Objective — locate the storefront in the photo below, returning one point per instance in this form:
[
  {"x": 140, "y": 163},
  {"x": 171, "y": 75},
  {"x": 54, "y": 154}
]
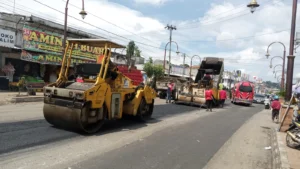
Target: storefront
[
  {"x": 7, "y": 51},
  {"x": 44, "y": 49}
]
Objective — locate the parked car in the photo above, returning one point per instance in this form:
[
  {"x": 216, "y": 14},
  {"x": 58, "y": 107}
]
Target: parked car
[{"x": 259, "y": 98}]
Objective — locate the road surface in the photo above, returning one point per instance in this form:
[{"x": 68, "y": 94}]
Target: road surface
[{"x": 177, "y": 137}]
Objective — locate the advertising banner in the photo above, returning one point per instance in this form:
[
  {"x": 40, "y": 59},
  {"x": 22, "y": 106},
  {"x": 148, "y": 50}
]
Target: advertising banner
[
  {"x": 50, "y": 43},
  {"x": 49, "y": 58},
  {"x": 7, "y": 38}
]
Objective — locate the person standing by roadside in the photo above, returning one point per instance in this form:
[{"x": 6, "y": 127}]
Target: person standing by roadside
[
  {"x": 169, "y": 92},
  {"x": 222, "y": 97},
  {"x": 208, "y": 98},
  {"x": 276, "y": 105}
]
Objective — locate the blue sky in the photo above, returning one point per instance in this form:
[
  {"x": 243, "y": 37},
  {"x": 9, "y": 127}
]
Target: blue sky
[
  {"x": 220, "y": 28},
  {"x": 173, "y": 10}
]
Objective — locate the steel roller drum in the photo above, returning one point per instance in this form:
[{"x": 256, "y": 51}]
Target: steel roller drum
[{"x": 69, "y": 118}]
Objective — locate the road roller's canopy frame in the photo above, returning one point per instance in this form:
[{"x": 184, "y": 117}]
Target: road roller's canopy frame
[{"x": 101, "y": 43}]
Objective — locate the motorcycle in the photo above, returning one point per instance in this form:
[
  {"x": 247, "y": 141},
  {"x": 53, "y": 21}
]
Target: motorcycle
[
  {"x": 293, "y": 133},
  {"x": 267, "y": 103}
]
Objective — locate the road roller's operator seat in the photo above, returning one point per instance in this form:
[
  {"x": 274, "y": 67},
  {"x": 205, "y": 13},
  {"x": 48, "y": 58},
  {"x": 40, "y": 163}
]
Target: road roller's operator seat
[{"x": 92, "y": 69}]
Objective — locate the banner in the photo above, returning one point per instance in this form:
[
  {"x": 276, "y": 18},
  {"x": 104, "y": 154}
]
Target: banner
[
  {"x": 51, "y": 43},
  {"x": 7, "y": 38},
  {"x": 49, "y": 58}
]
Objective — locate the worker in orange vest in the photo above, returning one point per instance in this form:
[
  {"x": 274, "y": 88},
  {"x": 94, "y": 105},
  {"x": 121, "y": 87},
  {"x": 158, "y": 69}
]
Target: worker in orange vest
[
  {"x": 208, "y": 98},
  {"x": 222, "y": 97}
]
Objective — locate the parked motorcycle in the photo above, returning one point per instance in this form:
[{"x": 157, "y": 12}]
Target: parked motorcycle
[{"x": 293, "y": 133}]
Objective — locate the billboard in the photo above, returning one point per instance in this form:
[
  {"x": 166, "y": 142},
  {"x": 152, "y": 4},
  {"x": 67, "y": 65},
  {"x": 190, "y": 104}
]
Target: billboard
[
  {"x": 49, "y": 58},
  {"x": 7, "y": 38},
  {"x": 50, "y": 43}
]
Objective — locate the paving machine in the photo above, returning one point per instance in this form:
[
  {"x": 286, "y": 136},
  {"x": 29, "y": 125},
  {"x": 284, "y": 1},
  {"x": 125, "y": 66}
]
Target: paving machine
[
  {"x": 104, "y": 93},
  {"x": 162, "y": 85},
  {"x": 193, "y": 93}
]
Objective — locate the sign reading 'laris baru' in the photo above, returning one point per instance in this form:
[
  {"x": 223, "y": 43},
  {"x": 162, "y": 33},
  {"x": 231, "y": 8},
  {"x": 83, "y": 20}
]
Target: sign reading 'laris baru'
[{"x": 51, "y": 43}]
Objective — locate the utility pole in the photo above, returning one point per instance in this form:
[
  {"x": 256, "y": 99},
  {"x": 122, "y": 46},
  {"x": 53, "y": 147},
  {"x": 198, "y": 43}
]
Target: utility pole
[
  {"x": 170, "y": 28},
  {"x": 183, "y": 72},
  {"x": 291, "y": 57}
]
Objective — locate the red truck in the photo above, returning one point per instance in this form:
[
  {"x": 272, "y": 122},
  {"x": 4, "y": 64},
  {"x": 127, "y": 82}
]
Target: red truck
[{"x": 242, "y": 93}]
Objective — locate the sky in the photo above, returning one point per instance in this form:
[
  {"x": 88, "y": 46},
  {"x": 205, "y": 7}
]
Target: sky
[{"x": 218, "y": 28}]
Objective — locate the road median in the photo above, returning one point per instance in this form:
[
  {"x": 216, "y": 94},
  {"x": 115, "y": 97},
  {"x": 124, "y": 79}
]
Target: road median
[{"x": 12, "y": 97}]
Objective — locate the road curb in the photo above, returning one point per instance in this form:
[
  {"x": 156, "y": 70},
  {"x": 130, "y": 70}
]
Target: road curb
[
  {"x": 25, "y": 99},
  {"x": 279, "y": 154}
]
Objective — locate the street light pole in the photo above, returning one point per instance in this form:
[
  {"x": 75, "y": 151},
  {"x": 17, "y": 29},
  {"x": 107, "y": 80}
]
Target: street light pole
[
  {"x": 274, "y": 58},
  {"x": 253, "y": 5},
  {"x": 171, "y": 28},
  {"x": 166, "y": 53},
  {"x": 82, "y": 13},
  {"x": 283, "y": 61},
  {"x": 192, "y": 64},
  {"x": 183, "y": 70},
  {"x": 275, "y": 67},
  {"x": 291, "y": 57}
]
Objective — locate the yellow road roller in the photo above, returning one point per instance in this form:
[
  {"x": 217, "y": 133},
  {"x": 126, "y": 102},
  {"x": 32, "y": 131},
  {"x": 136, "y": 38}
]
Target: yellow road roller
[{"x": 103, "y": 94}]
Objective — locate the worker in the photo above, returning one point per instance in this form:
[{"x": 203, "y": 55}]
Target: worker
[
  {"x": 276, "y": 105},
  {"x": 207, "y": 79},
  {"x": 220, "y": 86},
  {"x": 208, "y": 98},
  {"x": 222, "y": 97},
  {"x": 169, "y": 92}
]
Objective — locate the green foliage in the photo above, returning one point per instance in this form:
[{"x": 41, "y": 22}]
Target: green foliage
[
  {"x": 132, "y": 51},
  {"x": 185, "y": 65},
  {"x": 270, "y": 84},
  {"x": 137, "y": 51},
  {"x": 153, "y": 71},
  {"x": 281, "y": 93},
  {"x": 130, "y": 48},
  {"x": 148, "y": 68},
  {"x": 158, "y": 71}
]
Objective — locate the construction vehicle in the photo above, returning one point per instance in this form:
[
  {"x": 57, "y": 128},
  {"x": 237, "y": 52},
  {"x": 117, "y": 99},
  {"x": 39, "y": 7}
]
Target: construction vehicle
[
  {"x": 162, "y": 85},
  {"x": 193, "y": 92},
  {"x": 104, "y": 93}
]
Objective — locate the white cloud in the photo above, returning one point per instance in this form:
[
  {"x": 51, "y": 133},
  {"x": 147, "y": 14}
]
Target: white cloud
[
  {"x": 221, "y": 22},
  {"x": 151, "y": 2}
]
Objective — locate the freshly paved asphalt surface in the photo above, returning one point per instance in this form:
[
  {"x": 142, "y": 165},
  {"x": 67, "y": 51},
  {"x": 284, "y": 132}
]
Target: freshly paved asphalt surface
[{"x": 188, "y": 145}]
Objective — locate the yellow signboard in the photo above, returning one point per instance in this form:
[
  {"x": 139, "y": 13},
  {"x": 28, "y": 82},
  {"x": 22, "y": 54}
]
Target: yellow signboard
[{"x": 51, "y": 43}]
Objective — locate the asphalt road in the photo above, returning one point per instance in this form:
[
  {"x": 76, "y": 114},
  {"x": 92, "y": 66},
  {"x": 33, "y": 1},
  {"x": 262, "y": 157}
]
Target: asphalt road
[{"x": 177, "y": 137}]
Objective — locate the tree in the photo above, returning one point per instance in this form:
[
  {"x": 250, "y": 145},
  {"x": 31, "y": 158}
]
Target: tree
[
  {"x": 130, "y": 52},
  {"x": 137, "y": 51},
  {"x": 185, "y": 65},
  {"x": 153, "y": 71}
]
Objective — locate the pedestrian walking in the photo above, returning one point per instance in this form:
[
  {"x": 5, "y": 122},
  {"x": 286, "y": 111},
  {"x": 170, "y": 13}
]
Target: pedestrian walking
[
  {"x": 276, "y": 105},
  {"x": 208, "y": 98},
  {"x": 169, "y": 92},
  {"x": 222, "y": 97}
]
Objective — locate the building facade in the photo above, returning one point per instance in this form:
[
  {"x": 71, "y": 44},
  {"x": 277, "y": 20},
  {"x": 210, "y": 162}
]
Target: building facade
[{"x": 32, "y": 47}]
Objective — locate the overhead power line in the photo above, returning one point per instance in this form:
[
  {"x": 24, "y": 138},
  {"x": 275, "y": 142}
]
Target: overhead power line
[
  {"x": 238, "y": 38},
  {"x": 112, "y": 23},
  {"x": 117, "y": 35},
  {"x": 31, "y": 12},
  {"x": 211, "y": 21}
]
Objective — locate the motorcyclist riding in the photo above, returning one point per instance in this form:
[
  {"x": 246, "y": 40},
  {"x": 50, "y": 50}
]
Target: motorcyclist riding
[
  {"x": 267, "y": 102},
  {"x": 276, "y": 105}
]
